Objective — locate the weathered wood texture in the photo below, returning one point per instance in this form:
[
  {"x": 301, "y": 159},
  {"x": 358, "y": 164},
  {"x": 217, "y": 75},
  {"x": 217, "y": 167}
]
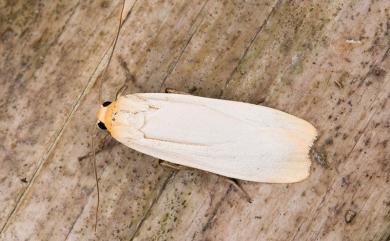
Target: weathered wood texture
[{"x": 324, "y": 61}]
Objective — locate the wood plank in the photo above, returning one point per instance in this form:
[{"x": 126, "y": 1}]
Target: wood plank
[{"x": 326, "y": 62}]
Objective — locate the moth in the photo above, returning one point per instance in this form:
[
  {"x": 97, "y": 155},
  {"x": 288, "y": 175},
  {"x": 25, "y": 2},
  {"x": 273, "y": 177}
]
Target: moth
[{"x": 233, "y": 139}]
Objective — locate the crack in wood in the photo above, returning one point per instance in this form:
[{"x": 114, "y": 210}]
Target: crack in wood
[
  {"x": 170, "y": 177},
  {"x": 215, "y": 211},
  {"x": 75, "y": 221},
  {"x": 172, "y": 67}
]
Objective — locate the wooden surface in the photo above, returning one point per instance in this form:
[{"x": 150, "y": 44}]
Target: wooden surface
[{"x": 324, "y": 61}]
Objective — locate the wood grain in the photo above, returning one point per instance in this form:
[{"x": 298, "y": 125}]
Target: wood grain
[{"x": 326, "y": 62}]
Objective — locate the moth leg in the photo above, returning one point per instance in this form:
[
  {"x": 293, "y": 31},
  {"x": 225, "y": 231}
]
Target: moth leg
[
  {"x": 172, "y": 166},
  {"x": 237, "y": 186},
  {"x": 174, "y": 91},
  {"x": 232, "y": 181},
  {"x": 120, "y": 91}
]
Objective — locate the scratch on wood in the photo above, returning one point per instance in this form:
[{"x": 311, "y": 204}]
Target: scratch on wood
[
  {"x": 75, "y": 221},
  {"x": 215, "y": 211},
  {"x": 251, "y": 43},
  {"x": 173, "y": 66}
]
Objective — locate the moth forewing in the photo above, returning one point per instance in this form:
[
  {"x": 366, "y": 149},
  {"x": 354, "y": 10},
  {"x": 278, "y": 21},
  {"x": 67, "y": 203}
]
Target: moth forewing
[{"x": 232, "y": 139}]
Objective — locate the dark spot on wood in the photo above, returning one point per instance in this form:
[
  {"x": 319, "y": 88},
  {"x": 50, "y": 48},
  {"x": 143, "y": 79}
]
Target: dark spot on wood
[
  {"x": 349, "y": 216},
  {"x": 367, "y": 141},
  {"x": 378, "y": 71},
  {"x": 339, "y": 84},
  {"x": 7, "y": 35},
  {"x": 345, "y": 181},
  {"x": 368, "y": 83},
  {"x": 105, "y": 4},
  {"x": 384, "y": 143},
  {"x": 319, "y": 155},
  {"x": 329, "y": 141}
]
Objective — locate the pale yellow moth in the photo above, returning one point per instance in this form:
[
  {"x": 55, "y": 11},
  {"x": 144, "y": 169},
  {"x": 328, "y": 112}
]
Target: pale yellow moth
[{"x": 229, "y": 138}]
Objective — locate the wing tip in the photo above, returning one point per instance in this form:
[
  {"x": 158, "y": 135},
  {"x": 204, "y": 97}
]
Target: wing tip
[
  {"x": 312, "y": 137},
  {"x": 304, "y": 172}
]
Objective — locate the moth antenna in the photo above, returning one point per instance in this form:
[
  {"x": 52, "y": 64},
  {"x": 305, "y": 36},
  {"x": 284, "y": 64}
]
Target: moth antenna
[
  {"x": 100, "y": 79},
  {"x": 111, "y": 54},
  {"x": 96, "y": 177}
]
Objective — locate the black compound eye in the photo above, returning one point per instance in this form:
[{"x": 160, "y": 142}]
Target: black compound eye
[
  {"x": 102, "y": 125},
  {"x": 106, "y": 103}
]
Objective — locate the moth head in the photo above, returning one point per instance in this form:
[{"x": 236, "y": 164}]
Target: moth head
[{"x": 104, "y": 116}]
